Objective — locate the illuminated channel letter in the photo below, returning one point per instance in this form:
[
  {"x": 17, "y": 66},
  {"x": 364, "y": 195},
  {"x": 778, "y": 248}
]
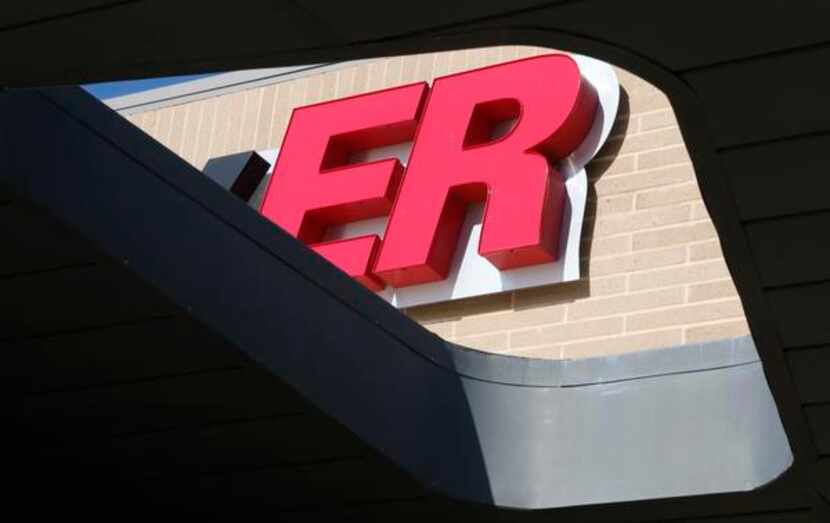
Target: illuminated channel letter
[
  {"x": 454, "y": 163},
  {"x": 314, "y": 185}
]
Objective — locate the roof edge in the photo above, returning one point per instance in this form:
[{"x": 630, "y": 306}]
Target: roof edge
[{"x": 214, "y": 85}]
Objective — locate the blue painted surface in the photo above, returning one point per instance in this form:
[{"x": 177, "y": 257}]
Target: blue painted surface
[{"x": 106, "y": 90}]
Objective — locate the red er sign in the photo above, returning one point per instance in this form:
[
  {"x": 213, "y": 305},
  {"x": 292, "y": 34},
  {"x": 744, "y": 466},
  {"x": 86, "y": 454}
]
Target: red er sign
[{"x": 454, "y": 162}]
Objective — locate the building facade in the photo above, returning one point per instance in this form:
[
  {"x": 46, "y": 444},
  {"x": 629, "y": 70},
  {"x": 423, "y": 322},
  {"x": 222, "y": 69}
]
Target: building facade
[
  {"x": 653, "y": 273},
  {"x": 174, "y": 350}
]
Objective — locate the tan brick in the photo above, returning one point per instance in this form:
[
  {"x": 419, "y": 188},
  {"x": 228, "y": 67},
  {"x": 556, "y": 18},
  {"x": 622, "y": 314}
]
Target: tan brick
[
  {"x": 266, "y": 111},
  {"x": 626, "y": 124},
  {"x": 610, "y": 204},
  {"x": 314, "y": 92},
  {"x": 643, "y": 180},
  {"x": 191, "y": 133},
  {"x": 699, "y": 313},
  {"x": 286, "y": 107},
  {"x": 481, "y": 323},
  {"x": 673, "y": 236},
  {"x": 657, "y": 120},
  {"x": 713, "y": 290},
  {"x": 566, "y": 332},
  {"x": 509, "y": 52},
  {"x": 442, "y": 65},
  {"x": 608, "y": 246},
  {"x": 631, "y": 82},
  {"x": 361, "y": 79},
  {"x": 283, "y": 111},
  {"x": 174, "y": 141},
  {"x": 272, "y": 138},
  {"x": 490, "y": 342},
  {"x": 137, "y": 119},
  {"x": 165, "y": 119},
  {"x": 699, "y": 211},
  {"x": 608, "y": 286},
  {"x": 635, "y": 143},
  {"x": 475, "y": 58},
  {"x": 423, "y": 68},
  {"x": 329, "y": 86},
  {"x": 621, "y": 344},
  {"x": 550, "y": 294},
  {"x": 648, "y": 99},
  {"x": 345, "y": 82},
  {"x": 392, "y": 75},
  {"x": 205, "y": 132},
  {"x": 234, "y": 123},
  {"x": 495, "y": 54},
  {"x": 300, "y": 86},
  {"x": 459, "y": 308},
  {"x": 147, "y": 121},
  {"x": 409, "y": 69},
  {"x": 641, "y": 220},
  {"x": 458, "y": 61},
  {"x": 625, "y": 303},
  {"x": 525, "y": 52},
  {"x": 623, "y": 125},
  {"x": 567, "y": 292},
  {"x": 538, "y": 50},
  {"x": 663, "y": 157},
  {"x": 548, "y": 352},
  {"x": 253, "y": 101},
  {"x": 611, "y": 165},
  {"x": 667, "y": 196},
  {"x": 220, "y": 127},
  {"x": 375, "y": 74},
  {"x": 696, "y": 272},
  {"x": 445, "y": 329},
  {"x": 492, "y": 55},
  {"x": 705, "y": 251},
  {"x": 148, "y": 124},
  {"x": 637, "y": 261},
  {"x": 717, "y": 331}
]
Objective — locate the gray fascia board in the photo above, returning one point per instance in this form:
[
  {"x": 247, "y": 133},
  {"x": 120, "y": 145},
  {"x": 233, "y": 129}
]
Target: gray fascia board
[{"x": 536, "y": 372}]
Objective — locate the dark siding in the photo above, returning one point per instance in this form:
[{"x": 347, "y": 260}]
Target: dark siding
[
  {"x": 790, "y": 251},
  {"x": 818, "y": 416},
  {"x": 778, "y": 178},
  {"x": 55, "y": 247},
  {"x": 7, "y": 193},
  {"x": 765, "y": 99},
  {"x": 117, "y": 354},
  {"x": 160, "y": 404},
  {"x": 73, "y": 299},
  {"x": 811, "y": 370},
  {"x": 671, "y": 33}
]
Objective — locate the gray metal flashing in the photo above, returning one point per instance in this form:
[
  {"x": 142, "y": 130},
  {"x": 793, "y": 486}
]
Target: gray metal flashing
[
  {"x": 685, "y": 434},
  {"x": 537, "y": 372},
  {"x": 677, "y": 421},
  {"x": 215, "y": 85}
]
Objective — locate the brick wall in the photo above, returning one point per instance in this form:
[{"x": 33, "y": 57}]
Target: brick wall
[{"x": 654, "y": 274}]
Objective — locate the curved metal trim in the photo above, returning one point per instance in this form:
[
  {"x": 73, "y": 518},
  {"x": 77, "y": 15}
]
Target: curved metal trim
[
  {"x": 538, "y": 372},
  {"x": 680, "y": 421}
]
